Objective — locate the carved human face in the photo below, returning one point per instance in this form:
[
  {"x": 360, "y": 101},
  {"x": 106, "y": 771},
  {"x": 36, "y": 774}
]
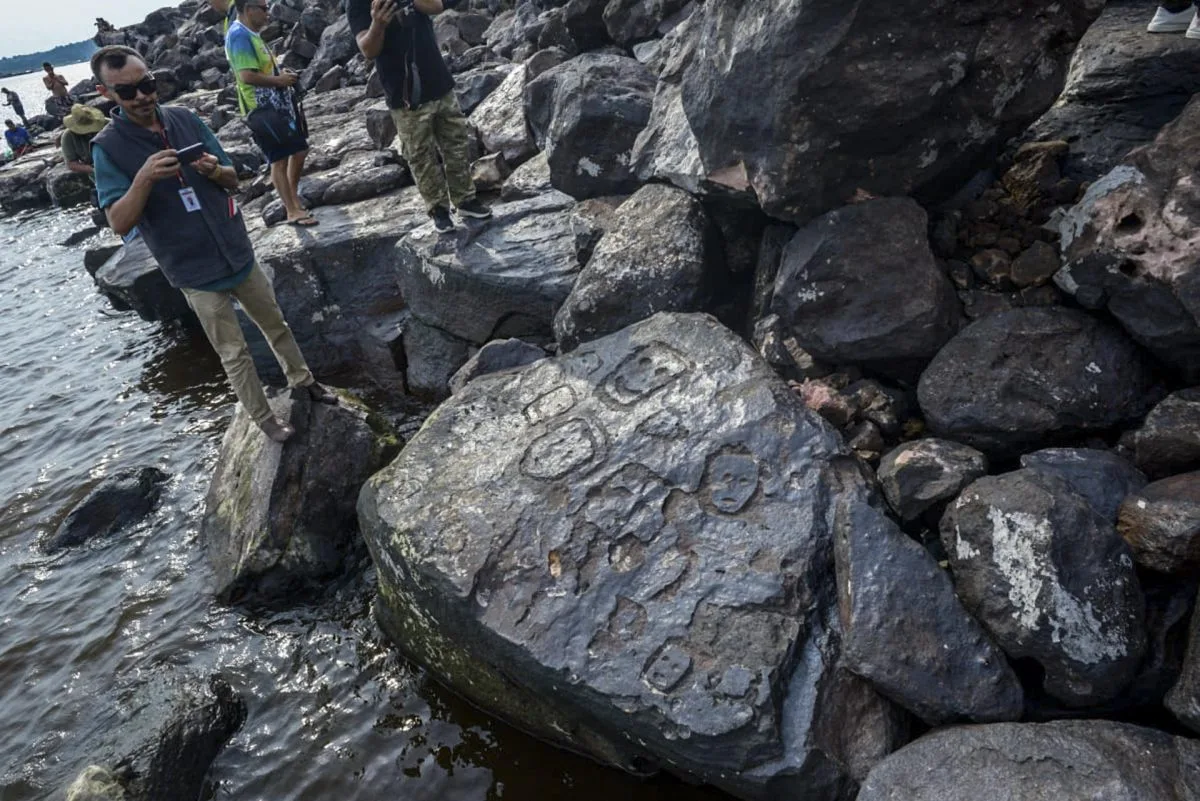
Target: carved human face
[{"x": 732, "y": 481}]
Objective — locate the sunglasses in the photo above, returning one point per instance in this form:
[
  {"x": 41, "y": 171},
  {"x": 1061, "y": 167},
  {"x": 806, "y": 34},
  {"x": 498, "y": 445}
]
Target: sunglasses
[{"x": 128, "y": 91}]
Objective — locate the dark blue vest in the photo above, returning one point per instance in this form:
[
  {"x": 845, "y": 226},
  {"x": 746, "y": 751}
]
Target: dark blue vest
[{"x": 191, "y": 248}]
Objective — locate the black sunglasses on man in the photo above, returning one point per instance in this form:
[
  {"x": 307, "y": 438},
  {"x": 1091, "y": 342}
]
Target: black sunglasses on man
[{"x": 128, "y": 91}]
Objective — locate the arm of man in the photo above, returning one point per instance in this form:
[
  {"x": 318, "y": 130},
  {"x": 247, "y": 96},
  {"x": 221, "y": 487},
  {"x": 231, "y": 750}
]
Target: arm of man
[
  {"x": 429, "y": 7},
  {"x": 256, "y": 78},
  {"x": 124, "y": 199},
  {"x": 80, "y": 167},
  {"x": 369, "y": 20},
  {"x": 220, "y": 5}
]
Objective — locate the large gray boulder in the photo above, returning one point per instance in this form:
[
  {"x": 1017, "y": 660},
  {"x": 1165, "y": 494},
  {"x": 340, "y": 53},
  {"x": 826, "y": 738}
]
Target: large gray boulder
[
  {"x": 861, "y": 286},
  {"x": 660, "y": 253},
  {"x": 1127, "y": 250},
  {"x": 1168, "y": 441},
  {"x": 1122, "y": 87},
  {"x": 1051, "y": 580},
  {"x": 629, "y": 21},
  {"x": 907, "y": 632},
  {"x": 807, "y": 103},
  {"x": 500, "y": 119},
  {"x": 627, "y": 551},
  {"x": 1077, "y": 760},
  {"x": 1015, "y": 378},
  {"x": 586, "y": 115},
  {"x": 505, "y": 277},
  {"x": 279, "y": 520}
]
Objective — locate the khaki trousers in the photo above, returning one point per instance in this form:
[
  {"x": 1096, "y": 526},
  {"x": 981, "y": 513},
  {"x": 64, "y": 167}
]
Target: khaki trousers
[
  {"x": 217, "y": 317},
  {"x": 431, "y": 128}
]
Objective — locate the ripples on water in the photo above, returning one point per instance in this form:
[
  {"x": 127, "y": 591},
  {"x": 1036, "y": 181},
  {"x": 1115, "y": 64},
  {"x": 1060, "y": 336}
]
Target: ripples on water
[{"x": 333, "y": 712}]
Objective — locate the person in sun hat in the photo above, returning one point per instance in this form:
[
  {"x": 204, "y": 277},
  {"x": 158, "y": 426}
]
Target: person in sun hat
[{"x": 82, "y": 125}]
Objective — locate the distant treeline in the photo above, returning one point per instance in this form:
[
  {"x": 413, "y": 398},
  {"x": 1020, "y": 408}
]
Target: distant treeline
[{"x": 63, "y": 54}]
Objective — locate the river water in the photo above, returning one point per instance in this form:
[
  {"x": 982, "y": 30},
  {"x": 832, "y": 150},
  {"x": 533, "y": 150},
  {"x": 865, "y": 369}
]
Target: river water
[{"x": 333, "y": 712}]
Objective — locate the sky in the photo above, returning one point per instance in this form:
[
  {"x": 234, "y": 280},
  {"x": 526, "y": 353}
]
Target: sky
[{"x": 29, "y": 31}]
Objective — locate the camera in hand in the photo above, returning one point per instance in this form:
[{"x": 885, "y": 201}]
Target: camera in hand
[{"x": 404, "y": 11}]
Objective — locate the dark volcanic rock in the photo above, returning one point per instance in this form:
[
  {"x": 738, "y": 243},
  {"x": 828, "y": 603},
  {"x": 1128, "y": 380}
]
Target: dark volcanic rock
[
  {"x": 1078, "y": 760},
  {"x": 629, "y": 21},
  {"x": 638, "y": 562},
  {"x": 586, "y": 114},
  {"x": 907, "y": 633},
  {"x": 659, "y": 254},
  {"x": 497, "y": 355},
  {"x": 500, "y": 119},
  {"x": 1161, "y": 523},
  {"x": 1127, "y": 250},
  {"x": 504, "y": 277},
  {"x": 1169, "y": 440},
  {"x": 861, "y": 286},
  {"x": 119, "y": 501},
  {"x": 67, "y": 188},
  {"x": 837, "y": 114},
  {"x": 280, "y": 519},
  {"x": 1184, "y": 698},
  {"x": 1121, "y": 89},
  {"x": 919, "y": 475},
  {"x": 1103, "y": 478},
  {"x": 1014, "y": 378},
  {"x": 132, "y": 278},
  {"x": 1051, "y": 580}
]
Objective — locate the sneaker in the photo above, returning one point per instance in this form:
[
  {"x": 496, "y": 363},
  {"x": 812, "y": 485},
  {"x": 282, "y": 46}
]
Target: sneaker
[
  {"x": 276, "y": 430},
  {"x": 441, "y": 219},
  {"x": 1193, "y": 31},
  {"x": 321, "y": 394},
  {"x": 1172, "y": 22},
  {"x": 473, "y": 208}
]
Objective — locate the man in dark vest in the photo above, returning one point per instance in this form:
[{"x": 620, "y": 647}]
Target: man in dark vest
[{"x": 147, "y": 178}]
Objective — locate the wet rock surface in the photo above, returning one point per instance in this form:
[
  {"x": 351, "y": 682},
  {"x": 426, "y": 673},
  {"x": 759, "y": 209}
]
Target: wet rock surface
[
  {"x": 586, "y": 114},
  {"x": 497, "y": 355},
  {"x": 500, "y": 278},
  {"x": 919, "y": 475},
  {"x": 279, "y": 520},
  {"x": 660, "y": 253},
  {"x": 1122, "y": 87},
  {"x": 669, "y": 598},
  {"x": 1102, "y": 478},
  {"x": 1016, "y": 378},
  {"x": 1168, "y": 441},
  {"x": 1125, "y": 251},
  {"x": 1161, "y": 523},
  {"x": 907, "y": 632},
  {"x": 1059, "y": 761},
  {"x": 119, "y": 501},
  {"x": 975, "y": 74},
  {"x": 1051, "y": 581},
  {"x": 860, "y": 286}
]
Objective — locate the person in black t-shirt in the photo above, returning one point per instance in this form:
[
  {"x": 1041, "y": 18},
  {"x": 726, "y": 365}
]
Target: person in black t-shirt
[{"x": 398, "y": 34}]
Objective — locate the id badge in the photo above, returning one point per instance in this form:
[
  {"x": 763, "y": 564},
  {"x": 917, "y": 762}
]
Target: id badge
[{"x": 190, "y": 201}]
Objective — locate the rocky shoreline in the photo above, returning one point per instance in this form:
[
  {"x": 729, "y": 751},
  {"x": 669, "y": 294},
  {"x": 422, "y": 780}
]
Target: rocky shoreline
[{"x": 824, "y": 436}]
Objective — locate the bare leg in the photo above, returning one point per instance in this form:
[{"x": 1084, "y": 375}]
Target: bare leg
[
  {"x": 295, "y": 166},
  {"x": 279, "y": 177}
]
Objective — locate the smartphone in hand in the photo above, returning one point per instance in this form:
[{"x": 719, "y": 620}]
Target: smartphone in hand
[{"x": 187, "y": 155}]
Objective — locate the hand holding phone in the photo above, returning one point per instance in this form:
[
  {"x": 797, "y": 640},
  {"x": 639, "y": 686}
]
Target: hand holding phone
[{"x": 187, "y": 155}]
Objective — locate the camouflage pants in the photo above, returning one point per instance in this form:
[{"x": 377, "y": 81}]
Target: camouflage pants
[{"x": 433, "y": 127}]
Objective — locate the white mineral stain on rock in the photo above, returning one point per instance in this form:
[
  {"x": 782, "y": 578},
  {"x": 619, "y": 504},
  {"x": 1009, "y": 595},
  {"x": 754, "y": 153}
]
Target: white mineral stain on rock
[
  {"x": 590, "y": 167},
  {"x": 1019, "y": 543}
]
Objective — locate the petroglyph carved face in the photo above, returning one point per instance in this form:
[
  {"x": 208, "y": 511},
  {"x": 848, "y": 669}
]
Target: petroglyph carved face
[
  {"x": 732, "y": 481},
  {"x": 641, "y": 373}
]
